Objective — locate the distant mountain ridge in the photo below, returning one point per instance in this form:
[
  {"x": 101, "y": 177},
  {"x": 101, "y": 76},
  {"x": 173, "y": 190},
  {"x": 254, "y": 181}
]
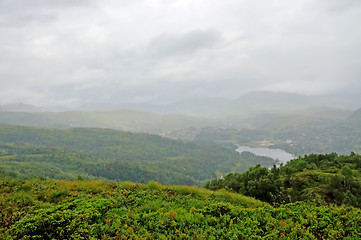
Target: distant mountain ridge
[
  {"x": 248, "y": 104},
  {"x": 19, "y": 107},
  {"x": 126, "y": 120},
  {"x": 266, "y": 100},
  {"x": 313, "y": 118},
  {"x": 199, "y": 107},
  {"x": 356, "y": 114},
  {"x": 22, "y": 107},
  {"x": 354, "y": 121}
]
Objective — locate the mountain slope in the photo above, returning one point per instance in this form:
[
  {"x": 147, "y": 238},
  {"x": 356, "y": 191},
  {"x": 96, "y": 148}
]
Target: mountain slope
[
  {"x": 301, "y": 119},
  {"x": 284, "y": 100},
  {"x": 354, "y": 121}
]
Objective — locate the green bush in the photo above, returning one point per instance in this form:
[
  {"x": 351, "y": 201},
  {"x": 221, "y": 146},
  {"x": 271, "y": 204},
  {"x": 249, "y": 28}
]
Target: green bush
[{"x": 135, "y": 211}]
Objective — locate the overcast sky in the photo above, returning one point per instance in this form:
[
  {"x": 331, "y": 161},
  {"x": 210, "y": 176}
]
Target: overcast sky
[{"x": 74, "y": 51}]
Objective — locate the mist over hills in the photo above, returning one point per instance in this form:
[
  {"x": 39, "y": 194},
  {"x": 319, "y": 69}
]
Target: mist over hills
[
  {"x": 127, "y": 120},
  {"x": 354, "y": 120},
  {"x": 297, "y": 123},
  {"x": 261, "y": 98},
  {"x": 248, "y": 104},
  {"x": 255, "y": 102},
  {"x": 22, "y": 107},
  {"x": 310, "y": 118},
  {"x": 261, "y": 110}
]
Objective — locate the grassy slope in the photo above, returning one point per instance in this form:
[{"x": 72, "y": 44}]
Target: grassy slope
[{"x": 98, "y": 210}]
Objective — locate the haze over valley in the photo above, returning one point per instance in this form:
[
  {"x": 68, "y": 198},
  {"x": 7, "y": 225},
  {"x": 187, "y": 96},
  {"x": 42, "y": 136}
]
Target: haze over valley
[
  {"x": 155, "y": 119},
  {"x": 297, "y": 123}
]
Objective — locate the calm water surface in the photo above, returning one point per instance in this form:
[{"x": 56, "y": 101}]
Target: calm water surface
[{"x": 277, "y": 154}]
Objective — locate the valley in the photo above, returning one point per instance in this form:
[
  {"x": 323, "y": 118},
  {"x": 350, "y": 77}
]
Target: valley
[
  {"x": 268, "y": 171},
  {"x": 114, "y": 155},
  {"x": 295, "y": 123},
  {"x": 180, "y": 120}
]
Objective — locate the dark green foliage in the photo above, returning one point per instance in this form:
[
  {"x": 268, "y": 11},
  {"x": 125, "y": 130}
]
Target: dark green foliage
[
  {"x": 257, "y": 182},
  {"x": 35, "y": 209},
  {"x": 326, "y": 178},
  {"x": 247, "y": 160}
]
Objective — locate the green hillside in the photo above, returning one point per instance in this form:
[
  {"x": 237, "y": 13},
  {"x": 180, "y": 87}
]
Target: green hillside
[
  {"x": 299, "y": 132},
  {"x": 36, "y": 209},
  {"x": 110, "y": 154},
  {"x": 325, "y": 178},
  {"x": 313, "y": 197},
  {"x": 343, "y": 137},
  {"x": 306, "y": 120}
]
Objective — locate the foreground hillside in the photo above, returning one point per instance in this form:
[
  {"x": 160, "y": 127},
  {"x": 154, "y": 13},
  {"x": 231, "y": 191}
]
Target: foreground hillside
[
  {"x": 114, "y": 155},
  {"x": 53, "y": 209}
]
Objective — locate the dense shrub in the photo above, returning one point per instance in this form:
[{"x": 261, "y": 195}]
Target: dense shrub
[{"x": 99, "y": 210}]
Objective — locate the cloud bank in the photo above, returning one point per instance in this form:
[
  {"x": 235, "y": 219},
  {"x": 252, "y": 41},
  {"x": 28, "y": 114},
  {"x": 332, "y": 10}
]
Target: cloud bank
[{"x": 72, "y": 52}]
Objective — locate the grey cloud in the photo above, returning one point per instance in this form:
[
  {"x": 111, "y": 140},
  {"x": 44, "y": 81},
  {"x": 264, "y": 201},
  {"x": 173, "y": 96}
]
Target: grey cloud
[
  {"x": 188, "y": 43},
  {"x": 76, "y": 51},
  {"x": 36, "y": 5},
  {"x": 338, "y": 7},
  {"x": 21, "y": 13}
]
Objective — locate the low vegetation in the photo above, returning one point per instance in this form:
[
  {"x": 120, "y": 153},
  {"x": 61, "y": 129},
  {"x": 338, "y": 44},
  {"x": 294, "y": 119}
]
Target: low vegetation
[{"x": 59, "y": 209}]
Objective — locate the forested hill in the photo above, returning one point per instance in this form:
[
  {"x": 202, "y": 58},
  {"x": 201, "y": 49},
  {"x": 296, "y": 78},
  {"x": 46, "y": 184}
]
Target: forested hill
[
  {"x": 304, "y": 193},
  {"x": 110, "y": 154},
  {"x": 324, "y": 178}
]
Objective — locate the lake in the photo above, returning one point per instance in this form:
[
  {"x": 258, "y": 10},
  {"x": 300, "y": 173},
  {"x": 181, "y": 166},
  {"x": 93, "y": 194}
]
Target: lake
[{"x": 277, "y": 154}]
